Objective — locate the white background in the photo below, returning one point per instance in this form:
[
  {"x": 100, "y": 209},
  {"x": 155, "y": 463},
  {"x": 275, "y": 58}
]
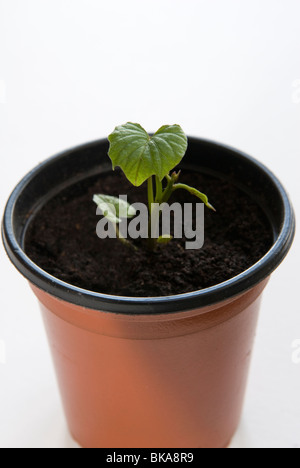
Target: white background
[{"x": 70, "y": 70}]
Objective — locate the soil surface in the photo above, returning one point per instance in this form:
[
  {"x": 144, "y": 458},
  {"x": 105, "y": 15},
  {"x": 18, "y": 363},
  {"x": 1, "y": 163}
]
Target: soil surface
[{"x": 62, "y": 240}]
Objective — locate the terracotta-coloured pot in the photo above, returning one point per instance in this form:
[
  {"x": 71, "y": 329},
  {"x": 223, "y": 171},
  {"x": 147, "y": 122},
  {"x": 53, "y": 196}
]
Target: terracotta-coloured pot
[
  {"x": 175, "y": 380},
  {"x": 151, "y": 372}
]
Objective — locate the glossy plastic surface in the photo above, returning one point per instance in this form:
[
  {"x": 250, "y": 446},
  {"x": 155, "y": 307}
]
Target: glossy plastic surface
[{"x": 170, "y": 380}]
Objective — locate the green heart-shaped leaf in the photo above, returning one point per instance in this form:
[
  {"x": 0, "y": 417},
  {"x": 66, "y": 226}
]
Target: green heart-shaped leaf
[{"x": 141, "y": 156}]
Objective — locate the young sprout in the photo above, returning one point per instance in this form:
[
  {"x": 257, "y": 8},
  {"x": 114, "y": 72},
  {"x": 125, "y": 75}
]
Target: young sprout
[{"x": 147, "y": 158}]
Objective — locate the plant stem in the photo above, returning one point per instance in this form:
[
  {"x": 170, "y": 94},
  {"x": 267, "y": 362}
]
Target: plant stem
[
  {"x": 183, "y": 187},
  {"x": 161, "y": 196},
  {"x": 150, "y": 193},
  {"x": 159, "y": 190},
  {"x": 151, "y": 242},
  {"x": 168, "y": 190},
  {"x": 194, "y": 192}
]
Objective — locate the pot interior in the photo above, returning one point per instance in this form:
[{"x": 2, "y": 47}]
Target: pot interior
[{"x": 76, "y": 164}]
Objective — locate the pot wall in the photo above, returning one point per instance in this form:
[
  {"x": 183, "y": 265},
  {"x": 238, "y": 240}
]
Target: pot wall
[{"x": 175, "y": 380}]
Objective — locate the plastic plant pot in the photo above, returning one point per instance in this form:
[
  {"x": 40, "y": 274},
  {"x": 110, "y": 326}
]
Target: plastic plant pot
[{"x": 151, "y": 372}]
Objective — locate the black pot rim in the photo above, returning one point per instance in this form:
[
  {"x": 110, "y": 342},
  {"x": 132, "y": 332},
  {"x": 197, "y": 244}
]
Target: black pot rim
[{"x": 144, "y": 305}]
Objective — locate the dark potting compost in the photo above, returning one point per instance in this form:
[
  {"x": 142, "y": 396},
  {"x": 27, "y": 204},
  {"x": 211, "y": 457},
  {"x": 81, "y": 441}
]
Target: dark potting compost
[{"x": 62, "y": 240}]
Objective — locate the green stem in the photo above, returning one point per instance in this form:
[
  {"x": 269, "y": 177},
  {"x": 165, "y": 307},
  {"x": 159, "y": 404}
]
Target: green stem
[
  {"x": 162, "y": 196},
  {"x": 150, "y": 193},
  {"x": 151, "y": 242},
  {"x": 183, "y": 187},
  {"x": 159, "y": 189},
  {"x": 168, "y": 191},
  {"x": 195, "y": 193}
]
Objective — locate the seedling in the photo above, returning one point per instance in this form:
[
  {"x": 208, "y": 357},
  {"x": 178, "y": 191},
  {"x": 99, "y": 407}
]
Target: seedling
[{"x": 146, "y": 158}]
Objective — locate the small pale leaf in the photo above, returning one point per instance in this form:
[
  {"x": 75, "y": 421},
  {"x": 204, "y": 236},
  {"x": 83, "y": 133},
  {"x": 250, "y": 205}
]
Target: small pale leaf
[{"x": 114, "y": 208}]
